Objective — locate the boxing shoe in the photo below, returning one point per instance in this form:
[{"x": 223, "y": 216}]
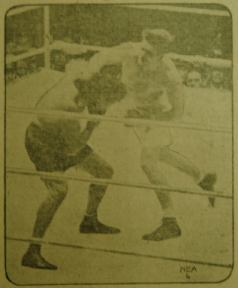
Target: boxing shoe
[
  {"x": 169, "y": 229},
  {"x": 90, "y": 224},
  {"x": 207, "y": 184},
  {"x": 35, "y": 260}
]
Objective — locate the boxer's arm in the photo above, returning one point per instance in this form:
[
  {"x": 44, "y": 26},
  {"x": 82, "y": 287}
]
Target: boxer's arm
[
  {"x": 176, "y": 99},
  {"x": 85, "y": 134},
  {"x": 81, "y": 139},
  {"x": 175, "y": 92},
  {"x": 110, "y": 56},
  {"x": 122, "y": 50},
  {"x": 74, "y": 48},
  {"x": 78, "y": 137},
  {"x": 84, "y": 70},
  {"x": 81, "y": 69}
]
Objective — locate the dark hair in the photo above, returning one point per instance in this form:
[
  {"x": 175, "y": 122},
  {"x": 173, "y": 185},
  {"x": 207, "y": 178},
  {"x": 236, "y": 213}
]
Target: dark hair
[
  {"x": 102, "y": 85},
  {"x": 113, "y": 69}
]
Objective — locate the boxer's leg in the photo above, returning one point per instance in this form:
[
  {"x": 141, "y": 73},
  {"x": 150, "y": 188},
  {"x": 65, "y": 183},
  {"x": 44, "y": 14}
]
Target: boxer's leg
[
  {"x": 149, "y": 164},
  {"x": 99, "y": 168},
  {"x": 183, "y": 164},
  {"x": 164, "y": 153},
  {"x": 57, "y": 191},
  {"x": 180, "y": 162},
  {"x": 169, "y": 227}
]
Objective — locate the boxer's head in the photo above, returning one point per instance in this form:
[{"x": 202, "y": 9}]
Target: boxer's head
[
  {"x": 158, "y": 39},
  {"x": 103, "y": 89}
]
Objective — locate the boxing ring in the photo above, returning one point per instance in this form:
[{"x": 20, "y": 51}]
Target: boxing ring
[{"x": 96, "y": 245}]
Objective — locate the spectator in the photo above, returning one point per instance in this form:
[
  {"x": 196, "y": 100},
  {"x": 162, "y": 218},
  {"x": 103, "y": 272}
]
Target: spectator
[
  {"x": 194, "y": 79},
  {"x": 217, "y": 79},
  {"x": 22, "y": 68},
  {"x": 10, "y": 72},
  {"x": 58, "y": 60}
]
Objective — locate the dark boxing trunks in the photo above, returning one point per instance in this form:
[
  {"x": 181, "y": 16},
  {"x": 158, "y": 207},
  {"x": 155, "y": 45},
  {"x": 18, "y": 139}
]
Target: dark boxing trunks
[{"x": 47, "y": 149}]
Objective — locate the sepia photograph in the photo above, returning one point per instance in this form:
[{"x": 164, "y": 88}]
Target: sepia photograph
[{"x": 119, "y": 143}]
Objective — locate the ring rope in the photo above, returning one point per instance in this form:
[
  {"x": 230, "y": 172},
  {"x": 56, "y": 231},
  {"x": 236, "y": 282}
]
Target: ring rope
[
  {"x": 126, "y": 121},
  {"x": 121, "y": 252},
  {"x": 55, "y": 176}
]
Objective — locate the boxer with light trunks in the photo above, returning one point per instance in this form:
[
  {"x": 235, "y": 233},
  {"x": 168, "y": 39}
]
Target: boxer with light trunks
[
  {"x": 160, "y": 97},
  {"x": 154, "y": 91}
]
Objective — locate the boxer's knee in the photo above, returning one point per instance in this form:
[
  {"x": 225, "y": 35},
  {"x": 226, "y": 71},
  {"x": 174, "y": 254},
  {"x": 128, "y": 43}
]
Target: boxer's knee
[
  {"x": 150, "y": 163},
  {"x": 106, "y": 172},
  {"x": 57, "y": 189},
  {"x": 163, "y": 153},
  {"x": 150, "y": 156},
  {"x": 147, "y": 160}
]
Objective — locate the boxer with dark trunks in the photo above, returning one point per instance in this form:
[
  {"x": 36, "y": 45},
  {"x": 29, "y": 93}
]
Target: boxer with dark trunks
[{"x": 56, "y": 144}]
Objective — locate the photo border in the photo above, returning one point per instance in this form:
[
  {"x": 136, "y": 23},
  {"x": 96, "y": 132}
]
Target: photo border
[{"x": 233, "y": 142}]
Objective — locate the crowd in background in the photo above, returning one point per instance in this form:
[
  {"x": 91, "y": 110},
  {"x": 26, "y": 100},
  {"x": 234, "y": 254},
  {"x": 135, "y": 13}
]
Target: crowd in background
[
  {"x": 203, "y": 75},
  {"x": 25, "y": 32}
]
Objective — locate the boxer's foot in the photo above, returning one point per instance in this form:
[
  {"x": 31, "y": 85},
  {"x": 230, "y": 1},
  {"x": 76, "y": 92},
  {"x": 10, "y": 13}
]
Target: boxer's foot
[
  {"x": 90, "y": 224},
  {"x": 207, "y": 184},
  {"x": 35, "y": 260},
  {"x": 169, "y": 229}
]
